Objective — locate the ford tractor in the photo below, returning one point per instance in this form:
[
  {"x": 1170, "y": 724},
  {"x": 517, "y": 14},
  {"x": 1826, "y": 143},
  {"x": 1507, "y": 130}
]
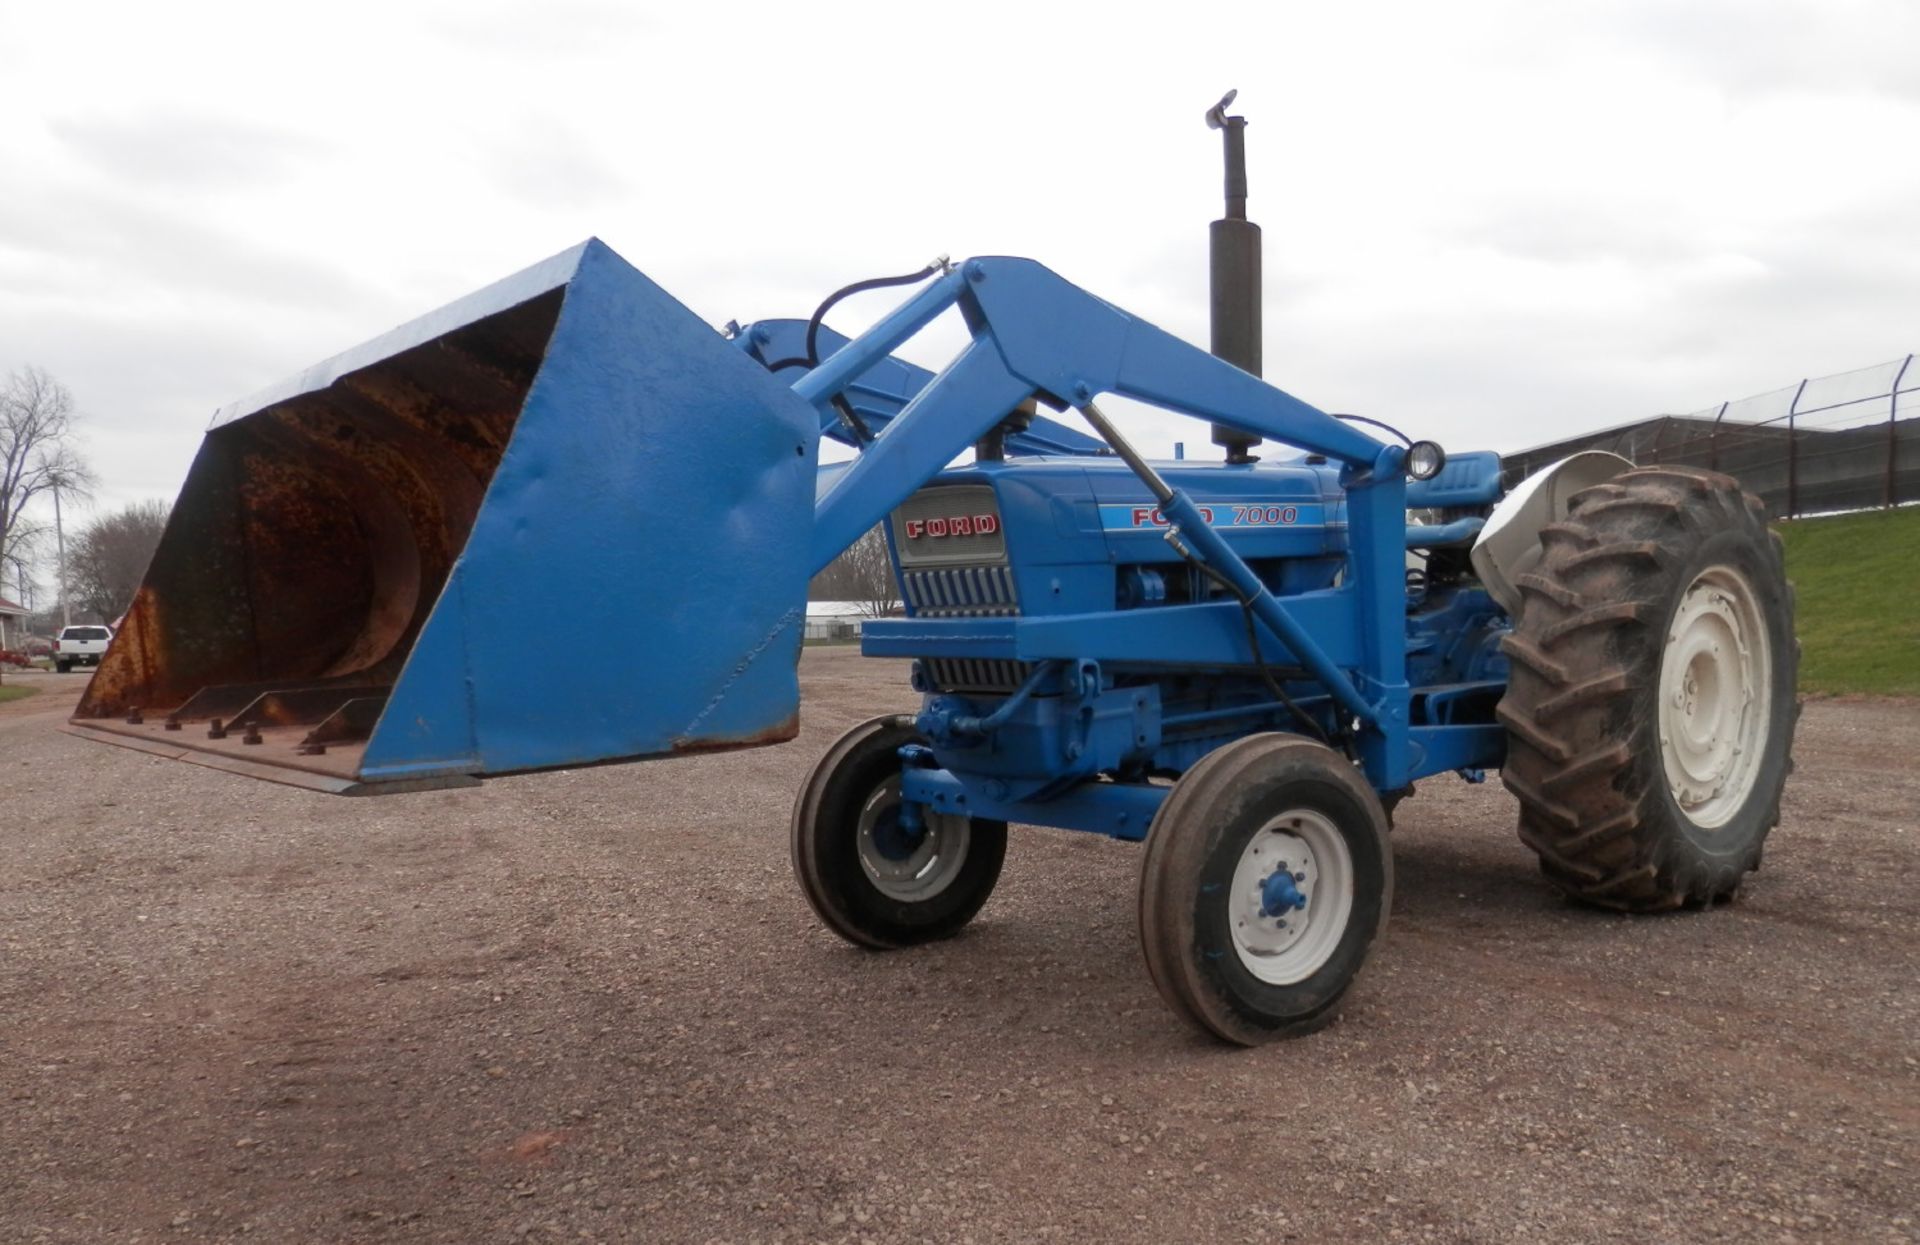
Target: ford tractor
[{"x": 1247, "y": 665}]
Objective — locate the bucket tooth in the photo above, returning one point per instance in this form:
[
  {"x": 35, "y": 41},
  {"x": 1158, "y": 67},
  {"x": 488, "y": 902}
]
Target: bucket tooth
[
  {"x": 352, "y": 722},
  {"x": 358, "y": 555}
]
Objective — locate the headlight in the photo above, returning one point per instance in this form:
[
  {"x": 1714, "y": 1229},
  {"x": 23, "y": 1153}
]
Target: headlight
[{"x": 1424, "y": 460}]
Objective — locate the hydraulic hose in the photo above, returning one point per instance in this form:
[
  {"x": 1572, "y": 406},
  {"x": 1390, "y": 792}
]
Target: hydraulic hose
[
  {"x": 854, "y": 423},
  {"x": 1377, "y": 423}
]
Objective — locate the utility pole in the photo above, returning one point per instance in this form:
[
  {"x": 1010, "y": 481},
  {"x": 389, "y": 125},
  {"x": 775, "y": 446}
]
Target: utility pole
[{"x": 60, "y": 551}]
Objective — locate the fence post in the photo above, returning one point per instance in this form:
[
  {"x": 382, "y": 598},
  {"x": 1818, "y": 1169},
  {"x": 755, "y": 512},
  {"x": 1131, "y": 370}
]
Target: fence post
[
  {"x": 1713, "y": 440},
  {"x": 1793, "y": 455},
  {"x": 1893, "y": 436}
]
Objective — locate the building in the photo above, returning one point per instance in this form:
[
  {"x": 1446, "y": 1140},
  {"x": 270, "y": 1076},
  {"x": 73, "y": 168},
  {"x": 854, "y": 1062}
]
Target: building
[
  {"x": 13, "y": 625},
  {"x": 1842, "y": 442},
  {"x": 834, "y": 621},
  {"x": 1793, "y": 470}
]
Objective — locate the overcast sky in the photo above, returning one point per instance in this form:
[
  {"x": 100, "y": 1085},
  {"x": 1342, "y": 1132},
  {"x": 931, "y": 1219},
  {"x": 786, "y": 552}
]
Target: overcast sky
[{"x": 1489, "y": 223}]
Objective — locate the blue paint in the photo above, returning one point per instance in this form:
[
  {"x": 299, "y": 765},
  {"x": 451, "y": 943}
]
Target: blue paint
[
  {"x": 1458, "y": 532},
  {"x": 642, "y": 426},
  {"x": 898, "y": 830},
  {"x": 1279, "y": 895},
  {"x": 881, "y": 392},
  {"x": 857, "y": 357},
  {"x": 1469, "y": 479},
  {"x": 1118, "y": 810},
  {"x": 1227, "y": 512},
  {"x": 974, "y": 393}
]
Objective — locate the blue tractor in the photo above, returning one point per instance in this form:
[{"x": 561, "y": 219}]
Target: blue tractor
[{"x": 1245, "y": 664}]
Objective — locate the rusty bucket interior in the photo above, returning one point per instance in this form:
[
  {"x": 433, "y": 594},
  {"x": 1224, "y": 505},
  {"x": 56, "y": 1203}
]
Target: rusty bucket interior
[{"x": 326, "y": 535}]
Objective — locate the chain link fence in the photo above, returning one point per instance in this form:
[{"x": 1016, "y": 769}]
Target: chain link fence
[{"x": 1844, "y": 442}]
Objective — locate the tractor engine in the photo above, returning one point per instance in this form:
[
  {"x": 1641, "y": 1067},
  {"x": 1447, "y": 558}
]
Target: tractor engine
[{"x": 1065, "y": 537}]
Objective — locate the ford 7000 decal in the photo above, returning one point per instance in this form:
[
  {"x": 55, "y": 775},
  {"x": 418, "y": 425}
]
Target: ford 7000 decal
[{"x": 1128, "y": 517}]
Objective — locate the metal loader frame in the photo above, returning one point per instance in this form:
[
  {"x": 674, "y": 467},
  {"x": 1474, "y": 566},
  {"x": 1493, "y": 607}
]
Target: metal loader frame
[{"x": 1036, "y": 335}]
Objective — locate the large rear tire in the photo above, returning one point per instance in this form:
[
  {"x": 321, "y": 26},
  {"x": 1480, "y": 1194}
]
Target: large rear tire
[
  {"x": 872, "y": 880},
  {"x": 1651, "y": 706},
  {"x": 1267, "y": 877}
]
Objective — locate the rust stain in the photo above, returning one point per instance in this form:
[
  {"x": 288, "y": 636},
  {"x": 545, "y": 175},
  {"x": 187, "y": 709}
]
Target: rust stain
[
  {"x": 778, "y": 733},
  {"x": 312, "y": 537}
]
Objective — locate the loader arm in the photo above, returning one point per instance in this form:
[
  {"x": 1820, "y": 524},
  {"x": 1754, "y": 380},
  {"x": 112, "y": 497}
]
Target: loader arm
[
  {"x": 879, "y": 395},
  {"x": 1035, "y": 333}
]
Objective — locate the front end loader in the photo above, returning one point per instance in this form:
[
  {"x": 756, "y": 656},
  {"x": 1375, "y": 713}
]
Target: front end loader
[{"x": 1245, "y": 664}]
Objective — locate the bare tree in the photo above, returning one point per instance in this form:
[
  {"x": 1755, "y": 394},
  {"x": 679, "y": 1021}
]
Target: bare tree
[
  {"x": 862, "y": 575},
  {"x": 869, "y": 579},
  {"x": 110, "y": 558},
  {"x": 37, "y": 456}
]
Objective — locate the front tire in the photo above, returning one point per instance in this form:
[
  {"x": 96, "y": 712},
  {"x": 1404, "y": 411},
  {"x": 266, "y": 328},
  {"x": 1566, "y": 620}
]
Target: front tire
[
  {"x": 1651, "y": 706},
  {"x": 870, "y": 880},
  {"x": 1266, "y": 879}
]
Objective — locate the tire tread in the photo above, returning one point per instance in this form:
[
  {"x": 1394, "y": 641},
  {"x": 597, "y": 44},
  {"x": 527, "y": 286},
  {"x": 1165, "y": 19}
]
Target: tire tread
[{"x": 1579, "y": 656}]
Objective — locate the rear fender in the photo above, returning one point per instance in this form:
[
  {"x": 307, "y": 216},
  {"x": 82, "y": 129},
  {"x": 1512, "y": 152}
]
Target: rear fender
[{"x": 1509, "y": 545}]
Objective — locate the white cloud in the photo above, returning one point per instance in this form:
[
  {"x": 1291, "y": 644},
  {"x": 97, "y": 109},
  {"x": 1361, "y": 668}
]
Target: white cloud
[{"x": 1487, "y": 222}]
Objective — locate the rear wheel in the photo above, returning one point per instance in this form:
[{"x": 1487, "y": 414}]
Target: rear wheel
[
  {"x": 874, "y": 879},
  {"x": 1266, "y": 878},
  {"x": 1651, "y": 706},
  {"x": 63, "y": 667}
]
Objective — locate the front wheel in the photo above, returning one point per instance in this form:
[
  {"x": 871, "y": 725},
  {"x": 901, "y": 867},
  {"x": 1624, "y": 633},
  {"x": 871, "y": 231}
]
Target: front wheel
[
  {"x": 874, "y": 879},
  {"x": 1267, "y": 877}
]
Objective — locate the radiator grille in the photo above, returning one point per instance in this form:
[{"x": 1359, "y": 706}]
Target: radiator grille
[
  {"x": 966, "y": 592},
  {"x": 962, "y": 592}
]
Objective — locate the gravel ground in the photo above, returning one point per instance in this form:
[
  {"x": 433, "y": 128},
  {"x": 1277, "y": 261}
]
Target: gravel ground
[{"x": 592, "y": 1006}]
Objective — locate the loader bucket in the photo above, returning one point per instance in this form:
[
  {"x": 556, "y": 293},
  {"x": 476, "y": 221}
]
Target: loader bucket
[{"x": 558, "y": 522}]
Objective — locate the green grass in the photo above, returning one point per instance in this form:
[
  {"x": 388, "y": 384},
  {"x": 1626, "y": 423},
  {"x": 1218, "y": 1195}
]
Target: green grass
[
  {"x": 1858, "y": 578},
  {"x": 8, "y": 692}
]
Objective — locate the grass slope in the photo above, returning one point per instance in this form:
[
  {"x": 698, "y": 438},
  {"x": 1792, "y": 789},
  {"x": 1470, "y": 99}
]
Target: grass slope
[{"x": 1858, "y": 576}]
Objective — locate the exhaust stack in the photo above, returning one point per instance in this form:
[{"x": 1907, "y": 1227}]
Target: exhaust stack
[{"x": 1234, "y": 278}]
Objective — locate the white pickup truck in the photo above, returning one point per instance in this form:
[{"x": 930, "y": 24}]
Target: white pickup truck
[{"x": 80, "y": 646}]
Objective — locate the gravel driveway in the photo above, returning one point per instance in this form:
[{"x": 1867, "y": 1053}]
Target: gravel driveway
[{"x": 592, "y": 1006}]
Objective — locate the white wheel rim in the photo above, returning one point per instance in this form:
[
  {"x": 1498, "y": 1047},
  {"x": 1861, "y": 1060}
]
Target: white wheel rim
[
  {"x": 1716, "y": 697},
  {"x": 929, "y": 867},
  {"x": 1286, "y": 943}
]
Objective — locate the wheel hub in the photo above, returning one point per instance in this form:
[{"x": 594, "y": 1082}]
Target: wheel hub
[
  {"x": 1291, "y": 895},
  {"x": 904, "y": 862},
  {"x": 894, "y": 840},
  {"x": 1715, "y": 697},
  {"x": 1279, "y": 895}
]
